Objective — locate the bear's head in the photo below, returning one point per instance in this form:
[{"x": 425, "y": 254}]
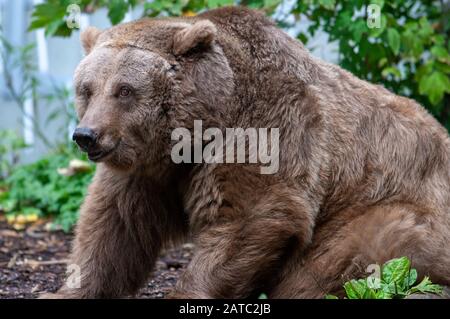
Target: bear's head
[{"x": 140, "y": 80}]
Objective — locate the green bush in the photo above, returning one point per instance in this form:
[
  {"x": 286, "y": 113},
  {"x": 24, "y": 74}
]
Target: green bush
[
  {"x": 408, "y": 53},
  {"x": 53, "y": 186},
  {"x": 397, "y": 280}
]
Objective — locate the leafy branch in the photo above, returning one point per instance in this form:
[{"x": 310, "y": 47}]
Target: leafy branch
[{"x": 397, "y": 282}]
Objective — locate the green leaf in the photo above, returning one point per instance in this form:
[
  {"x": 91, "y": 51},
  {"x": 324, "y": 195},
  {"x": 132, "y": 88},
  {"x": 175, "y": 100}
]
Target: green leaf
[
  {"x": 117, "y": 10},
  {"x": 269, "y": 3},
  {"x": 255, "y": 4},
  {"x": 328, "y": 4},
  {"x": 434, "y": 85},
  {"x": 52, "y": 27},
  {"x": 396, "y": 270},
  {"x": 411, "y": 279},
  {"x": 382, "y": 294},
  {"x": 441, "y": 54},
  {"x": 343, "y": 20},
  {"x": 438, "y": 39},
  {"x": 425, "y": 286},
  {"x": 31, "y": 210},
  {"x": 383, "y": 61},
  {"x": 303, "y": 37},
  {"x": 358, "y": 29},
  {"x": 328, "y": 296},
  {"x": 212, "y": 4},
  {"x": 378, "y": 2},
  {"x": 356, "y": 289},
  {"x": 46, "y": 13},
  {"x": 425, "y": 30},
  {"x": 443, "y": 67},
  {"x": 369, "y": 294},
  {"x": 391, "y": 70},
  {"x": 394, "y": 40}
]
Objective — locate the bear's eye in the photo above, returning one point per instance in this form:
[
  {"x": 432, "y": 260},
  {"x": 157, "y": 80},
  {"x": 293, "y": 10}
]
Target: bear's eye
[
  {"x": 85, "y": 91},
  {"x": 124, "y": 91}
]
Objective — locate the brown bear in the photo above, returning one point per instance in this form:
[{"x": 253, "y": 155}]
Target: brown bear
[{"x": 364, "y": 174}]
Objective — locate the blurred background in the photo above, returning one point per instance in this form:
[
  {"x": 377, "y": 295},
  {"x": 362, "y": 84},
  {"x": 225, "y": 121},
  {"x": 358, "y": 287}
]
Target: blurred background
[{"x": 401, "y": 44}]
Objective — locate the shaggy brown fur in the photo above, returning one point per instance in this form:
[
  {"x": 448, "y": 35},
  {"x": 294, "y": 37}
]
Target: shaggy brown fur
[{"x": 364, "y": 174}]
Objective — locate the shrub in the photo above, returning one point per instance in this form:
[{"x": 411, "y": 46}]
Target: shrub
[
  {"x": 53, "y": 186},
  {"x": 396, "y": 281}
]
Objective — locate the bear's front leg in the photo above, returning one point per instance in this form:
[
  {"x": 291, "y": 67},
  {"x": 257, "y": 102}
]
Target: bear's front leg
[
  {"x": 118, "y": 238},
  {"x": 241, "y": 247}
]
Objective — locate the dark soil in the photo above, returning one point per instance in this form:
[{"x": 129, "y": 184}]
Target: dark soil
[{"x": 33, "y": 262}]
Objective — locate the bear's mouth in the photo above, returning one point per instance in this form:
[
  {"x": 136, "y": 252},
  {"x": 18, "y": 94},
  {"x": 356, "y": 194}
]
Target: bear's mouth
[{"x": 100, "y": 154}]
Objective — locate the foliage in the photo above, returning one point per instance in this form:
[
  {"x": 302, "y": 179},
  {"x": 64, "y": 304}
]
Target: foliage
[
  {"x": 52, "y": 186},
  {"x": 9, "y": 151},
  {"x": 408, "y": 53},
  {"x": 51, "y": 14},
  {"x": 396, "y": 282}
]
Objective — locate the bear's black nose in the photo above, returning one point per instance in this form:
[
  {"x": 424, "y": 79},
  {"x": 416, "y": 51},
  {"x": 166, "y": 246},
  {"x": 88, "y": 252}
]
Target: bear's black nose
[{"x": 85, "y": 138}]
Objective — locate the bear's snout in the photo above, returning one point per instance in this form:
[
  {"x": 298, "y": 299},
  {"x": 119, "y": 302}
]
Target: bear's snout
[
  {"x": 91, "y": 142},
  {"x": 86, "y": 138}
]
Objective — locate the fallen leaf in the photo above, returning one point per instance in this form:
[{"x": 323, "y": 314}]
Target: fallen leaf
[
  {"x": 18, "y": 226},
  {"x": 189, "y": 13},
  {"x": 20, "y": 219},
  {"x": 31, "y": 218}
]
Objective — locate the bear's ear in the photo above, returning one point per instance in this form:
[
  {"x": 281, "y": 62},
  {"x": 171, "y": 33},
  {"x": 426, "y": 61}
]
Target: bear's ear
[
  {"x": 201, "y": 33},
  {"x": 88, "y": 38}
]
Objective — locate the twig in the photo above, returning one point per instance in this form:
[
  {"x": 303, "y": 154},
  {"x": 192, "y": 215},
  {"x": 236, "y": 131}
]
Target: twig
[{"x": 12, "y": 261}]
